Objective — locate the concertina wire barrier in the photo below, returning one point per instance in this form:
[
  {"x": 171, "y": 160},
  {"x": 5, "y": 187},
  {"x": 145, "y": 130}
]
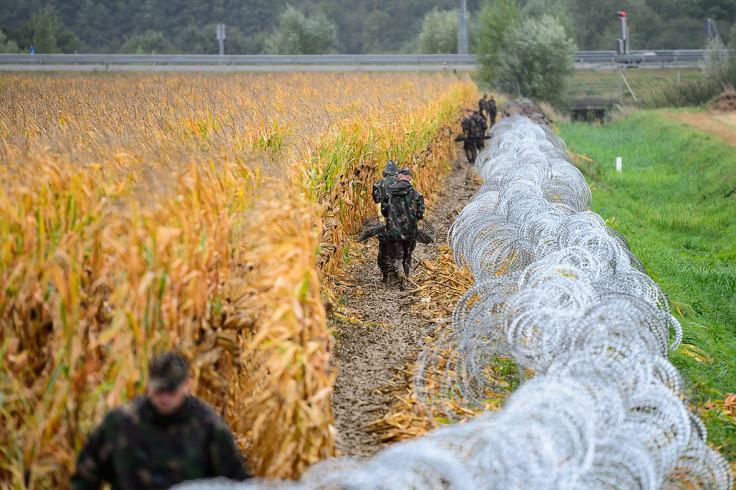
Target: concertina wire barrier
[{"x": 561, "y": 293}]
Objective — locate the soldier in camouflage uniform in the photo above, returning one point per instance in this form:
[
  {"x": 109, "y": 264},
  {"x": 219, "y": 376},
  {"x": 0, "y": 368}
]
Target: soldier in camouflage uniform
[
  {"x": 483, "y": 107},
  {"x": 492, "y": 110},
  {"x": 390, "y": 172},
  {"x": 403, "y": 207},
  {"x": 474, "y": 130},
  {"x": 159, "y": 440}
]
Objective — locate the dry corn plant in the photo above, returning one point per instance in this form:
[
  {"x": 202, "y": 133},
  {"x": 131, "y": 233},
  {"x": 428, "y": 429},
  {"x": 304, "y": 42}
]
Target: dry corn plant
[
  {"x": 127, "y": 212},
  {"x": 91, "y": 289},
  {"x": 284, "y": 403}
]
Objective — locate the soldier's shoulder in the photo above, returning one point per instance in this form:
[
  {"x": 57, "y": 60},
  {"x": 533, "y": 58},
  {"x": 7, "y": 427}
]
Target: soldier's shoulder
[
  {"x": 125, "y": 415},
  {"x": 204, "y": 412}
]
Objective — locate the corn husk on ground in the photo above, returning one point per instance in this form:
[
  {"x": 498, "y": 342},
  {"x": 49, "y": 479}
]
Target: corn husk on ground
[
  {"x": 438, "y": 286},
  {"x": 142, "y": 213}
]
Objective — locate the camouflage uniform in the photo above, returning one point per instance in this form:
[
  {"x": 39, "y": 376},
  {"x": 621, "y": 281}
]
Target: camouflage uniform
[
  {"x": 403, "y": 208},
  {"x": 474, "y": 129},
  {"x": 379, "y": 194},
  {"x": 492, "y": 111},
  {"x": 136, "y": 447},
  {"x": 483, "y": 107}
]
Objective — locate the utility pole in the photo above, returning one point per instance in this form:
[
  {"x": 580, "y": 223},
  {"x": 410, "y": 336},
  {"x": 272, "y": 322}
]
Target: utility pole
[
  {"x": 221, "y": 37},
  {"x": 462, "y": 28}
]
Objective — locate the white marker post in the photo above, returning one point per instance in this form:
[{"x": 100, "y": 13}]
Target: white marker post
[{"x": 618, "y": 164}]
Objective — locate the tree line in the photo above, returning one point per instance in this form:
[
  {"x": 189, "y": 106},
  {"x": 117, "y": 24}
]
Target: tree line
[{"x": 334, "y": 26}]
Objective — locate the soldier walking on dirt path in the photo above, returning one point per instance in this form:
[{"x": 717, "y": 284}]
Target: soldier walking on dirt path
[
  {"x": 390, "y": 171},
  {"x": 492, "y": 110},
  {"x": 474, "y": 130},
  {"x": 483, "y": 107},
  {"x": 403, "y": 208},
  {"x": 159, "y": 440}
]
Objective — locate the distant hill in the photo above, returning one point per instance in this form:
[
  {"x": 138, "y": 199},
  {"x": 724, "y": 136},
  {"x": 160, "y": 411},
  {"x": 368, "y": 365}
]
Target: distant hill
[{"x": 363, "y": 26}]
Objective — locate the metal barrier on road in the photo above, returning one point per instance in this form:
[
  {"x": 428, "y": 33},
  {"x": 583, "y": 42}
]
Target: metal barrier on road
[{"x": 450, "y": 60}]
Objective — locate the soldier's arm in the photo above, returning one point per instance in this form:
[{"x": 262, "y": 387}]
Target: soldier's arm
[
  {"x": 225, "y": 458},
  {"x": 384, "y": 208},
  {"x": 94, "y": 466},
  {"x": 376, "y": 193}
]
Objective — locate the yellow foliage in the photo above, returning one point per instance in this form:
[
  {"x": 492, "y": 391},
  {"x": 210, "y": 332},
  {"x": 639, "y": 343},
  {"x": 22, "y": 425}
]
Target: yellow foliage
[{"x": 148, "y": 212}]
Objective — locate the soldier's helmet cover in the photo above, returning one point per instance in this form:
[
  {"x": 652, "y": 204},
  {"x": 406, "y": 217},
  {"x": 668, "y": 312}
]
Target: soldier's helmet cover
[
  {"x": 405, "y": 171},
  {"x": 391, "y": 168},
  {"x": 168, "y": 371}
]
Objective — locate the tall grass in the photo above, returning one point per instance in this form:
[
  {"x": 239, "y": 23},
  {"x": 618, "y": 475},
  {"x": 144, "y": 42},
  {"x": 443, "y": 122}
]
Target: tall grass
[
  {"x": 676, "y": 201},
  {"x": 690, "y": 93},
  {"x": 719, "y": 76},
  {"x": 141, "y": 213}
]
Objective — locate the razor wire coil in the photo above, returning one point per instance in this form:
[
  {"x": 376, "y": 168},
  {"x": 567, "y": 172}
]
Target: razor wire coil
[{"x": 560, "y": 292}]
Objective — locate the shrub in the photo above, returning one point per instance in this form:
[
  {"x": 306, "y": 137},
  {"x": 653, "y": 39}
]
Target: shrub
[
  {"x": 537, "y": 61},
  {"x": 493, "y": 23},
  {"x": 686, "y": 93},
  {"x": 298, "y": 34},
  {"x": 439, "y": 33}
]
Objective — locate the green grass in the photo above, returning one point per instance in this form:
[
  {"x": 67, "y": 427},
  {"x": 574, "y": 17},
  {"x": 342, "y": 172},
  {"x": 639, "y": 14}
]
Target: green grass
[
  {"x": 675, "y": 201},
  {"x": 646, "y": 83}
]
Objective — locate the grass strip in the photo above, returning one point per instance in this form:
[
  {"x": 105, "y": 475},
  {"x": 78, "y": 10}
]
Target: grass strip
[{"x": 675, "y": 201}]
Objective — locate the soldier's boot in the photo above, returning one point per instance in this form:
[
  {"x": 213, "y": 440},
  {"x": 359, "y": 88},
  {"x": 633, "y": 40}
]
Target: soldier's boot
[
  {"x": 469, "y": 156},
  {"x": 385, "y": 277},
  {"x": 407, "y": 269},
  {"x": 401, "y": 280}
]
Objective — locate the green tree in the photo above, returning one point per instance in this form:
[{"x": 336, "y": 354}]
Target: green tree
[
  {"x": 43, "y": 27},
  {"x": 8, "y": 45},
  {"x": 298, "y": 34},
  {"x": 374, "y": 36},
  {"x": 537, "y": 61},
  {"x": 147, "y": 43},
  {"x": 493, "y": 23},
  {"x": 47, "y": 35},
  {"x": 192, "y": 40},
  {"x": 239, "y": 43},
  {"x": 439, "y": 33}
]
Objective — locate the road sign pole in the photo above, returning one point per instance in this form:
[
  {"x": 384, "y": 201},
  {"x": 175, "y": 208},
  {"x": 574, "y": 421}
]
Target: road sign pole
[
  {"x": 462, "y": 29},
  {"x": 221, "y": 37}
]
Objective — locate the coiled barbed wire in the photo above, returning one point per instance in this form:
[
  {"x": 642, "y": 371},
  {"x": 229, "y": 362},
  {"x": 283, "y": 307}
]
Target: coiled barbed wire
[{"x": 560, "y": 292}]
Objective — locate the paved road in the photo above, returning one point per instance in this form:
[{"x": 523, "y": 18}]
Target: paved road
[
  {"x": 233, "y": 68},
  {"x": 281, "y": 68}
]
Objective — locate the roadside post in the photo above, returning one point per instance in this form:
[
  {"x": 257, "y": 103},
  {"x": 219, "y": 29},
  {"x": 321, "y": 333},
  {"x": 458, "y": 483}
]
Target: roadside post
[{"x": 221, "y": 37}]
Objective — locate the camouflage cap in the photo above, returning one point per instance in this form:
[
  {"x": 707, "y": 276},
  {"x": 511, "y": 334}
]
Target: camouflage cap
[
  {"x": 168, "y": 371},
  {"x": 391, "y": 168},
  {"x": 405, "y": 171}
]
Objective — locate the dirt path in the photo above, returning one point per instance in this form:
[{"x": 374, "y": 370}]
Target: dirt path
[
  {"x": 370, "y": 353},
  {"x": 719, "y": 123}
]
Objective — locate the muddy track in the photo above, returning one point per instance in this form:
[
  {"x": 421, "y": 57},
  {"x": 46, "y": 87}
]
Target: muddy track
[{"x": 369, "y": 354}]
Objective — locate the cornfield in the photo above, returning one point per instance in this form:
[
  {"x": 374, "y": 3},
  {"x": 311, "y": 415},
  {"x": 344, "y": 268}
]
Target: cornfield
[{"x": 202, "y": 213}]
